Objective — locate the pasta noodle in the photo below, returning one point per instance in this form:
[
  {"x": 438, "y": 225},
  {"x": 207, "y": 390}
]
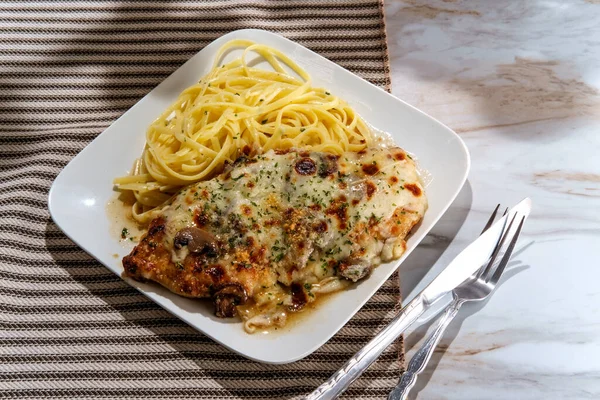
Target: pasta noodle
[{"x": 238, "y": 109}]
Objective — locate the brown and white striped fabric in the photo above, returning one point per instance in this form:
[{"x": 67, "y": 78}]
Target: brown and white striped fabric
[{"x": 69, "y": 328}]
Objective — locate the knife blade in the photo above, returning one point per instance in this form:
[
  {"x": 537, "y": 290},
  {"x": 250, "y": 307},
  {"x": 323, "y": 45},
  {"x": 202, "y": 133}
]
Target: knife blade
[
  {"x": 473, "y": 257},
  {"x": 460, "y": 269}
]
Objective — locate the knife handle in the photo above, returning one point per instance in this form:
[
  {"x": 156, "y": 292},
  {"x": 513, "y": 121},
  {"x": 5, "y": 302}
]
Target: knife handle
[
  {"x": 340, "y": 381},
  {"x": 423, "y": 355}
]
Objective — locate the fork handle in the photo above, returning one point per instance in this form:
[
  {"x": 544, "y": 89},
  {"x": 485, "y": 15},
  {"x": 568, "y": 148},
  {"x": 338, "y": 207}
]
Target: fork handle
[
  {"x": 340, "y": 381},
  {"x": 423, "y": 355}
]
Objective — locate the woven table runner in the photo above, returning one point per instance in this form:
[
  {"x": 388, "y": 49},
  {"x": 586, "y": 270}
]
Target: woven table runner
[{"x": 69, "y": 328}]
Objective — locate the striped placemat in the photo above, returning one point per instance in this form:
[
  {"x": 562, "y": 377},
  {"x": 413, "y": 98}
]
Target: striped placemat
[{"x": 69, "y": 328}]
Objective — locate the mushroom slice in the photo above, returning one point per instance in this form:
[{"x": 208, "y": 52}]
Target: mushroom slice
[
  {"x": 227, "y": 298},
  {"x": 354, "y": 270},
  {"x": 299, "y": 297},
  {"x": 196, "y": 239}
]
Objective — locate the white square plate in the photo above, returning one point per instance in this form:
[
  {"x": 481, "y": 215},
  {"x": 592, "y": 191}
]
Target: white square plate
[{"x": 79, "y": 195}]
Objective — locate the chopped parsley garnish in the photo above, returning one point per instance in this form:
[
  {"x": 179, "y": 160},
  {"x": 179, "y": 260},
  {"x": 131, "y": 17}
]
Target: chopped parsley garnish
[
  {"x": 124, "y": 233},
  {"x": 377, "y": 219}
]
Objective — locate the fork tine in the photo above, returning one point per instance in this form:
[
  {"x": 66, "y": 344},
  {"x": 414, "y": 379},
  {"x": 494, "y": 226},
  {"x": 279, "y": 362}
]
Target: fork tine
[
  {"x": 505, "y": 232},
  {"x": 485, "y": 228},
  {"x": 491, "y": 220},
  {"x": 507, "y": 254}
]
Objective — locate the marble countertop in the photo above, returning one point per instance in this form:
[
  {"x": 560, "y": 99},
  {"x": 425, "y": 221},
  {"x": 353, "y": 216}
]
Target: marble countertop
[{"x": 520, "y": 82}]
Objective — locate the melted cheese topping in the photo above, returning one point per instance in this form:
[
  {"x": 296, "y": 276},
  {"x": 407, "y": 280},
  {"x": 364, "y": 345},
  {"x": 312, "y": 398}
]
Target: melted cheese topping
[{"x": 314, "y": 220}]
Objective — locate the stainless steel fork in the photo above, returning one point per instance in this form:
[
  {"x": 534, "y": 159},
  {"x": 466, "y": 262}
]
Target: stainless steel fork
[{"x": 477, "y": 288}]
